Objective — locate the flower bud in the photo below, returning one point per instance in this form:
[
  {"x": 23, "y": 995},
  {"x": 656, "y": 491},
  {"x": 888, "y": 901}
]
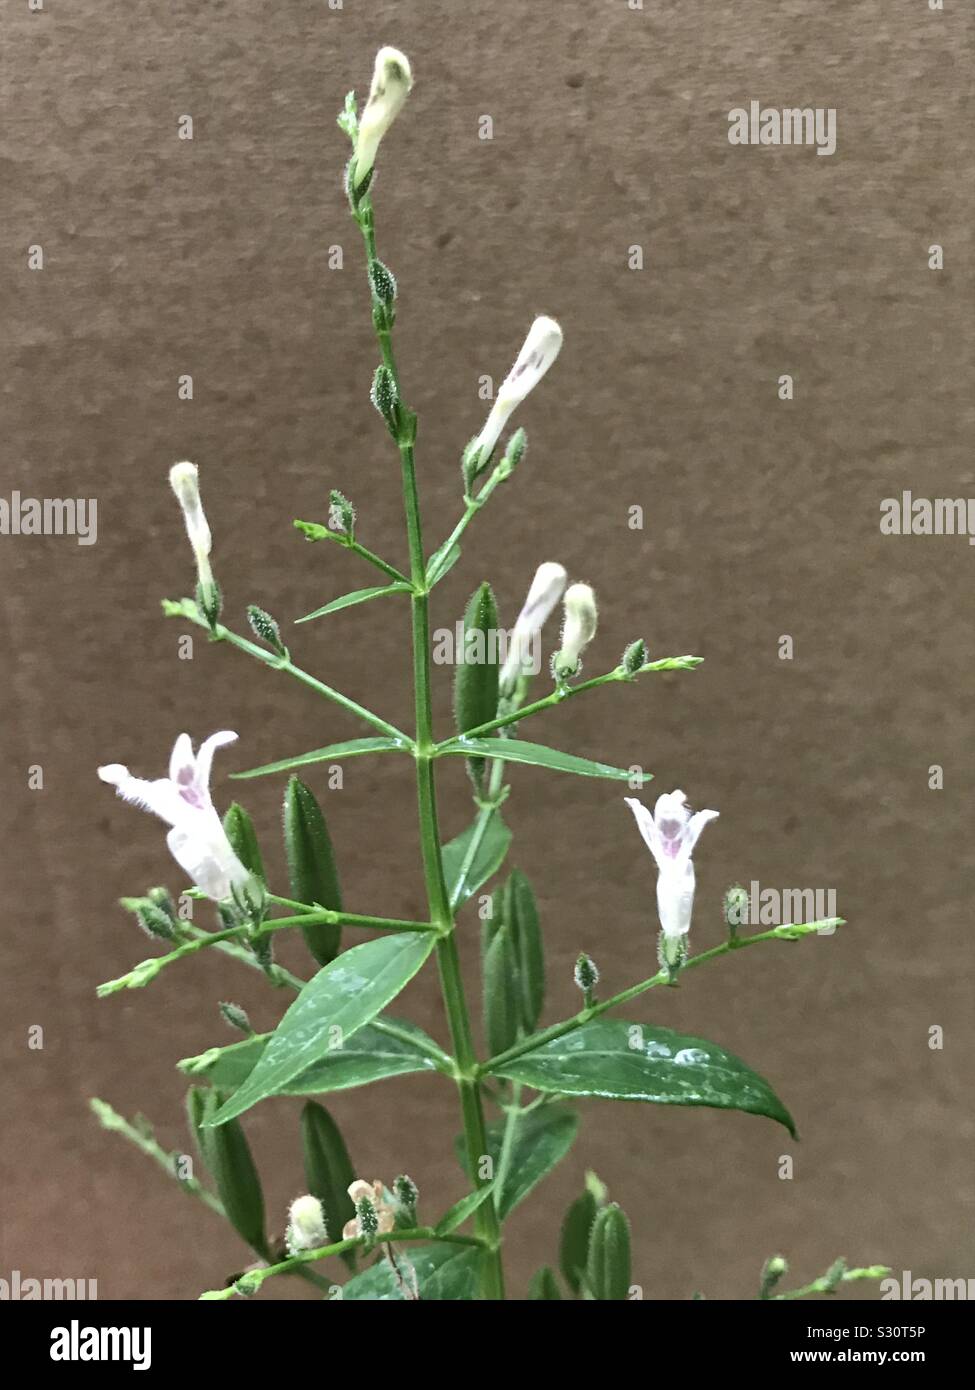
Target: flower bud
[
  {"x": 341, "y": 513},
  {"x": 735, "y": 908},
  {"x": 266, "y": 628},
  {"x": 383, "y": 282},
  {"x": 407, "y": 1195},
  {"x": 578, "y": 630},
  {"x": 250, "y": 897},
  {"x": 634, "y": 657},
  {"x": 384, "y": 397},
  {"x": 391, "y": 83},
  {"x": 153, "y": 920},
  {"x": 544, "y": 593},
  {"x": 236, "y": 1017},
  {"x": 538, "y": 352},
  {"x": 774, "y": 1269},
  {"x": 586, "y": 974},
  {"x": 306, "y": 1225},
  {"x": 184, "y": 479}
]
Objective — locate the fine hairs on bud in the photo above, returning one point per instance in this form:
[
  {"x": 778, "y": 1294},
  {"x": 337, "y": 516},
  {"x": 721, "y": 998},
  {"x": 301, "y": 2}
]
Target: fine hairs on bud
[
  {"x": 184, "y": 479},
  {"x": 306, "y": 1224},
  {"x": 578, "y": 629},
  {"x": 586, "y": 973},
  {"x": 539, "y": 351},
  {"x": 392, "y": 79},
  {"x": 544, "y": 593}
]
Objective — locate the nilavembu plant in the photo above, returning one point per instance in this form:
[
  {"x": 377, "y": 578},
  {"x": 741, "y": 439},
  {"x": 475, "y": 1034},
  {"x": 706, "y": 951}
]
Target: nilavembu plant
[{"x": 337, "y": 1032}]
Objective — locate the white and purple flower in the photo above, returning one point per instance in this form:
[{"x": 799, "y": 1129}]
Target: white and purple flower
[{"x": 670, "y": 834}]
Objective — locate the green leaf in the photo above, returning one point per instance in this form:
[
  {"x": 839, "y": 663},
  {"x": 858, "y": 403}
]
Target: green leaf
[
  {"x": 544, "y": 1286},
  {"x": 542, "y": 1139},
  {"x": 501, "y": 993},
  {"x": 385, "y": 1047},
  {"x": 487, "y": 861},
  {"x": 462, "y": 1210},
  {"x": 574, "y": 1239},
  {"x": 516, "y": 750},
  {"x": 227, "y": 1156},
  {"x": 239, "y": 829},
  {"x": 444, "y": 1273},
  {"x": 343, "y": 997},
  {"x": 521, "y": 913},
  {"x": 357, "y": 596},
  {"x": 328, "y": 1171},
  {"x": 311, "y": 866},
  {"x": 442, "y": 561},
  {"x": 351, "y": 749},
  {"x": 476, "y": 673},
  {"x": 608, "y": 1267},
  {"x": 632, "y": 1061}
]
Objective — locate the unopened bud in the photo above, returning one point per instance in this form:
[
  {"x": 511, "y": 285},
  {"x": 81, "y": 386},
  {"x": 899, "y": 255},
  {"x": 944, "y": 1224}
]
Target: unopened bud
[
  {"x": 164, "y": 900},
  {"x": 544, "y": 593},
  {"x": 266, "y": 628},
  {"x": 383, "y": 282},
  {"x": 634, "y": 657},
  {"x": 384, "y": 396},
  {"x": 538, "y": 352},
  {"x": 367, "y": 1220},
  {"x": 407, "y": 1195},
  {"x": 578, "y": 630},
  {"x": 184, "y": 479},
  {"x": 515, "y": 451},
  {"x": 236, "y": 1017},
  {"x": 391, "y": 83},
  {"x": 153, "y": 920},
  {"x": 735, "y": 908},
  {"x": 586, "y": 974},
  {"x": 341, "y": 513},
  {"x": 772, "y": 1272},
  {"x": 306, "y": 1224}
]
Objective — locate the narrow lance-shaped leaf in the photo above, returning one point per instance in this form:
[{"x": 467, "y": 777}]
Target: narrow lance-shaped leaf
[
  {"x": 574, "y": 1239},
  {"x": 357, "y": 596},
  {"x": 311, "y": 866},
  {"x": 517, "y": 750},
  {"x": 501, "y": 992},
  {"x": 351, "y": 748},
  {"x": 343, "y": 997},
  {"x": 608, "y": 1267},
  {"x": 226, "y": 1153},
  {"x": 239, "y": 829},
  {"x": 542, "y": 1138},
  {"x": 476, "y": 678},
  {"x": 487, "y": 860},
  {"x": 521, "y": 913},
  {"x": 461, "y": 1211},
  {"x": 632, "y": 1061},
  {"x": 328, "y": 1171}
]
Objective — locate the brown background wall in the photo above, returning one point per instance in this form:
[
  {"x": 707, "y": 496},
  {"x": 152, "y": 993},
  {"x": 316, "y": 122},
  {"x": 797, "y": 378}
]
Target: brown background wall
[{"x": 210, "y": 257}]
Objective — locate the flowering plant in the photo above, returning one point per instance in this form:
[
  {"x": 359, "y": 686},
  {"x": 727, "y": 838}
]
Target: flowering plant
[{"x": 337, "y": 1033}]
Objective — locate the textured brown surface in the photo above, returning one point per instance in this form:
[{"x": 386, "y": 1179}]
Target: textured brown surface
[{"x": 210, "y": 257}]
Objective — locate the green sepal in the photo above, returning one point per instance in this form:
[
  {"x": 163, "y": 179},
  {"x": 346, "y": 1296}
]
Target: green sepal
[
  {"x": 574, "y": 1239},
  {"x": 311, "y": 866},
  {"x": 544, "y": 1286},
  {"x": 239, "y": 829}
]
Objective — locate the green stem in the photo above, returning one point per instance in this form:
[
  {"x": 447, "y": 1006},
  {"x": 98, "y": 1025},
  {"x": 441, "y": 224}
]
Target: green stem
[
  {"x": 250, "y": 1282},
  {"x": 565, "y": 692},
  {"x": 827, "y": 1285},
  {"x": 315, "y": 532},
  {"x": 186, "y": 608},
  {"x": 792, "y": 932},
  {"x": 452, "y": 986}
]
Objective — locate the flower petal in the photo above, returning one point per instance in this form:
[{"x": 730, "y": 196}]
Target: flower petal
[
  {"x": 204, "y": 759},
  {"x": 159, "y": 796},
  {"x": 647, "y": 827}
]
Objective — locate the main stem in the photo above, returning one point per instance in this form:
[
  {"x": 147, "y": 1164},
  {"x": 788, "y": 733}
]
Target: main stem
[{"x": 440, "y": 910}]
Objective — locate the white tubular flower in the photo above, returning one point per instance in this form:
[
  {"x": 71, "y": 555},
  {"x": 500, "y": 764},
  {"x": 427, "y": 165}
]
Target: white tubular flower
[
  {"x": 545, "y": 592},
  {"x": 392, "y": 79},
  {"x": 375, "y": 1194},
  {"x": 578, "y": 630},
  {"x": 670, "y": 834},
  {"x": 306, "y": 1224},
  {"x": 197, "y": 840},
  {"x": 184, "y": 479},
  {"x": 539, "y": 351}
]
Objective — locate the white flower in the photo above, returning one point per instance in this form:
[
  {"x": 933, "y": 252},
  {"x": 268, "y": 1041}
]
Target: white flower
[
  {"x": 539, "y": 351},
  {"x": 374, "y": 1193},
  {"x": 306, "y": 1224},
  {"x": 670, "y": 835},
  {"x": 391, "y": 83},
  {"x": 544, "y": 593},
  {"x": 579, "y": 628},
  {"x": 197, "y": 840},
  {"x": 184, "y": 479}
]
